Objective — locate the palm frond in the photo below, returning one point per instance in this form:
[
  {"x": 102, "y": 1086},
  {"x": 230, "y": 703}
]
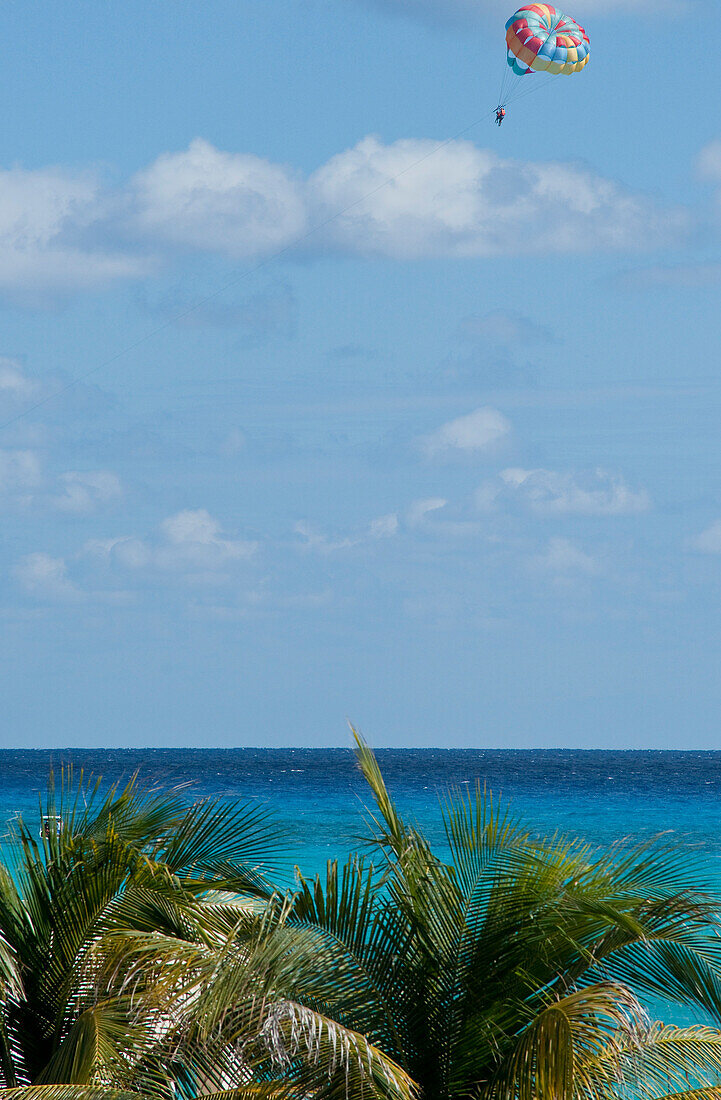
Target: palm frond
[
  {"x": 67, "y": 1092},
  {"x": 232, "y": 844},
  {"x": 553, "y": 1053}
]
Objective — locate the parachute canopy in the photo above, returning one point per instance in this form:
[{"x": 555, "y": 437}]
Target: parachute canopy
[{"x": 540, "y": 38}]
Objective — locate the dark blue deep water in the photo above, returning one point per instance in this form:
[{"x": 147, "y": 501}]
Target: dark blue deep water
[{"x": 318, "y": 796}]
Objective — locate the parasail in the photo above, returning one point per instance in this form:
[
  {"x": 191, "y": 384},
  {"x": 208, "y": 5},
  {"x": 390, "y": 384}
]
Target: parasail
[{"x": 542, "y": 39}]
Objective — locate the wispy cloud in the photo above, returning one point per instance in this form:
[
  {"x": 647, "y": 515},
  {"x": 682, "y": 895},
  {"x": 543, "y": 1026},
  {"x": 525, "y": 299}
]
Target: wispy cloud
[
  {"x": 45, "y": 577},
  {"x": 14, "y": 383},
  {"x": 553, "y": 492},
  {"x": 709, "y": 161},
  {"x": 268, "y": 314},
  {"x": 83, "y": 491},
  {"x": 709, "y": 167},
  {"x": 420, "y": 510},
  {"x": 564, "y": 557},
  {"x": 383, "y": 527},
  {"x": 20, "y": 472},
  {"x": 709, "y": 540}
]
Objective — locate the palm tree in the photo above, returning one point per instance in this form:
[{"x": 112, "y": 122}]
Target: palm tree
[
  {"x": 110, "y": 924},
  {"x": 142, "y": 953},
  {"x": 124, "y": 859},
  {"x": 514, "y": 969}
]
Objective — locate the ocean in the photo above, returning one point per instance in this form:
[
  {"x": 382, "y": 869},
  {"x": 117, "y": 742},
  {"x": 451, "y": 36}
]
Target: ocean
[{"x": 320, "y": 801}]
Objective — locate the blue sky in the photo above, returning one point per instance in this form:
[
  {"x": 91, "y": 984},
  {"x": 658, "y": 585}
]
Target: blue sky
[{"x": 284, "y": 443}]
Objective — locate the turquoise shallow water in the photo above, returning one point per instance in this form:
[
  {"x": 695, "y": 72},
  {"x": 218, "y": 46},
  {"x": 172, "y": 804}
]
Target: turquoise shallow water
[{"x": 318, "y": 795}]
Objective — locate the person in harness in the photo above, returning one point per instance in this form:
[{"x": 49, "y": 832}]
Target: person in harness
[{"x": 500, "y": 115}]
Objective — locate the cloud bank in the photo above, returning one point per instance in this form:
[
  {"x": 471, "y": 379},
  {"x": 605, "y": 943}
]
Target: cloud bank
[
  {"x": 415, "y": 198},
  {"x": 462, "y": 201}
]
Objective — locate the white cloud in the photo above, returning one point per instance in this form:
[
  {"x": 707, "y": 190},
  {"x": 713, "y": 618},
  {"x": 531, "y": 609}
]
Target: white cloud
[
  {"x": 194, "y": 535},
  {"x": 13, "y": 382},
  {"x": 44, "y": 215},
  {"x": 384, "y": 527},
  {"x": 420, "y": 509},
  {"x": 208, "y": 200},
  {"x": 709, "y": 161},
  {"x": 459, "y": 200},
  {"x": 477, "y": 431},
  {"x": 322, "y": 544},
  {"x": 45, "y": 577},
  {"x": 20, "y": 471},
  {"x": 190, "y": 542},
  {"x": 23, "y": 481},
  {"x": 434, "y": 517},
  {"x": 556, "y": 493},
  {"x": 381, "y": 528},
  {"x": 709, "y": 165},
  {"x": 563, "y": 557},
  {"x": 709, "y": 541},
  {"x": 84, "y": 491},
  {"x": 63, "y": 230}
]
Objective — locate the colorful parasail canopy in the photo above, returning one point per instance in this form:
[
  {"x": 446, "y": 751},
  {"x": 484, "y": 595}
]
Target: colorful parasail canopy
[{"x": 540, "y": 38}]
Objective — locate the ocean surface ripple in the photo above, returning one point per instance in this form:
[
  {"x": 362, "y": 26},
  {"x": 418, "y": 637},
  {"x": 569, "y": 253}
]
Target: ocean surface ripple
[{"x": 321, "y": 803}]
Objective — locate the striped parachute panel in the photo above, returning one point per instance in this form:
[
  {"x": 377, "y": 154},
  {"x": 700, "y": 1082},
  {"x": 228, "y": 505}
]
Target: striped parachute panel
[{"x": 540, "y": 38}]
